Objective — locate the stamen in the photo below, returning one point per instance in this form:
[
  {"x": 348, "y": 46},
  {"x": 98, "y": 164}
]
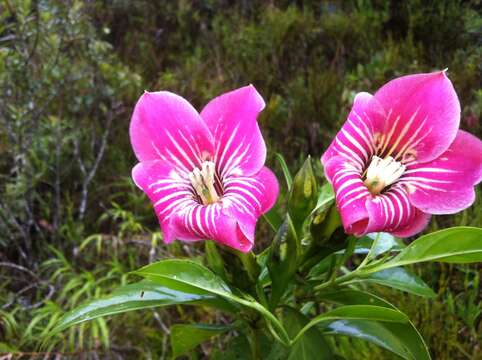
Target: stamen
[
  {"x": 382, "y": 173},
  {"x": 203, "y": 182}
]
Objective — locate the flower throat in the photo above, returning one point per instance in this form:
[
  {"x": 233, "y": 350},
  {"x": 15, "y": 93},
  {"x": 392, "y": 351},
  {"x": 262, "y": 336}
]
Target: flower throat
[{"x": 204, "y": 183}]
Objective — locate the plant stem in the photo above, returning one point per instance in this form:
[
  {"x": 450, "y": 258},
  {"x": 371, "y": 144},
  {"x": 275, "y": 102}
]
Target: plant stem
[
  {"x": 250, "y": 265},
  {"x": 338, "y": 280},
  {"x": 281, "y": 334}
]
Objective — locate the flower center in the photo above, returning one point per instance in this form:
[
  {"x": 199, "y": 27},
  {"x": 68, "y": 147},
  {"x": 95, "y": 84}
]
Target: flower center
[
  {"x": 382, "y": 173},
  {"x": 203, "y": 182}
]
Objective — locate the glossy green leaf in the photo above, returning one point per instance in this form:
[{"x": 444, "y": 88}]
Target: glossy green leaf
[
  {"x": 273, "y": 218},
  {"x": 365, "y": 312},
  {"x": 214, "y": 259},
  {"x": 325, "y": 199},
  {"x": 303, "y": 195},
  {"x": 401, "y": 279},
  {"x": 352, "y": 297},
  {"x": 185, "y": 274},
  {"x": 324, "y": 224},
  {"x": 401, "y": 339},
  {"x": 356, "y": 312},
  {"x": 453, "y": 245},
  {"x": 282, "y": 259},
  {"x": 185, "y": 337},
  {"x": 141, "y": 295},
  {"x": 312, "y": 345},
  {"x": 236, "y": 349},
  {"x": 394, "y": 337},
  {"x": 384, "y": 242},
  {"x": 286, "y": 171},
  {"x": 378, "y": 243}
]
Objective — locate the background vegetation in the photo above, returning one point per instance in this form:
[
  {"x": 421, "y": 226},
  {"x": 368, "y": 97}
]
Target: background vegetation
[{"x": 71, "y": 222}]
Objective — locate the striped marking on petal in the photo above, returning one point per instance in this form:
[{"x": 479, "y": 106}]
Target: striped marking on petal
[
  {"x": 402, "y": 134},
  {"x": 195, "y": 152},
  {"x": 226, "y": 147},
  {"x": 176, "y": 206},
  {"x": 355, "y": 143},
  {"x": 244, "y": 191},
  {"x": 348, "y": 153},
  {"x": 365, "y": 136},
  {"x": 171, "y": 186},
  {"x": 241, "y": 201},
  {"x": 388, "y": 137},
  {"x": 352, "y": 199},
  {"x": 394, "y": 210},
  {"x": 364, "y": 123},
  {"x": 431, "y": 170},
  {"x": 413, "y": 141},
  {"x": 171, "y": 196},
  {"x": 180, "y": 149},
  {"x": 249, "y": 182},
  {"x": 346, "y": 184}
]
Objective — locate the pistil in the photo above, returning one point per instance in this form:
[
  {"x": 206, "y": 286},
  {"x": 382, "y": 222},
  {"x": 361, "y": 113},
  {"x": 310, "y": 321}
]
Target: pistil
[
  {"x": 202, "y": 181},
  {"x": 382, "y": 173}
]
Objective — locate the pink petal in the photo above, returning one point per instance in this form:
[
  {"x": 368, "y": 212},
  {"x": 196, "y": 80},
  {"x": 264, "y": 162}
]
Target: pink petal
[
  {"x": 354, "y": 142},
  {"x": 351, "y": 194},
  {"x": 164, "y": 126},
  {"x": 446, "y": 184},
  {"x": 169, "y": 192},
  {"x": 180, "y": 216},
  {"x": 247, "y": 198},
  {"x": 231, "y": 118},
  {"x": 203, "y": 222},
  {"x": 423, "y": 115},
  {"x": 418, "y": 224},
  {"x": 363, "y": 213},
  {"x": 257, "y": 192},
  {"x": 392, "y": 212}
]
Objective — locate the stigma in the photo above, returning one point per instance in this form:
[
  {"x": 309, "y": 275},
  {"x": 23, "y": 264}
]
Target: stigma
[
  {"x": 382, "y": 173},
  {"x": 202, "y": 180}
]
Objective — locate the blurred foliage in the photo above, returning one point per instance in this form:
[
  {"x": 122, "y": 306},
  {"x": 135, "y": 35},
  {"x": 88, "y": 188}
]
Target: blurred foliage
[{"x": 72, "y": 223}]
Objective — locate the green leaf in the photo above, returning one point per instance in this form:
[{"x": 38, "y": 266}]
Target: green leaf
[
  {"x": 282, "y": 259},
  {"x": 384, "y": 242},
  {"x": 377, "y": 244},
  {"x": 394, "y": 337},
  {"x": 273, "y": 218},
  {"x": 356, "y": 312},
  {"x": 214, "y": 259},
  {"x": 401, "y": 279},
  {"x": 144, "y": 294},
  {"x": 185, "y": 337},
  {"x": 401, "y": 339},
  {"x": 286, "y": 171},
  {"x": 353, "y": 297},
  {"x": 185, "y": 274},
  {"x": 324, "y": 223},
  {"x": 188, "y": 275},
  {"x": 325, "y": 199},
  {"x": 312, "y": 345},
  {"x": 365, "y": 312},
  {"x": 453, "y": 245},
  {"x": 236, "y": 349},
  {"x": 303, "y": 195}
]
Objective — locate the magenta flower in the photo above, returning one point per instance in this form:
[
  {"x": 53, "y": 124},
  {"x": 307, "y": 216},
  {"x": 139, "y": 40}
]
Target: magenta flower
[
  {"x": 401, "y": 157},
  {"x": 204, "y": 173}
]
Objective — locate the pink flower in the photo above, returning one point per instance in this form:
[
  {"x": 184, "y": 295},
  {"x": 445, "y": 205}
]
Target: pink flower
[
  {"x": 204, "y": 173},
  {"x": 401, "y": 157}
]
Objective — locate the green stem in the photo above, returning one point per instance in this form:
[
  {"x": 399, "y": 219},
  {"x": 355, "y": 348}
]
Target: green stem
[
  {"x": 280, "y": 333},
  {"x": 338, "y": 280},
  {"x": 250, "y": 265}
]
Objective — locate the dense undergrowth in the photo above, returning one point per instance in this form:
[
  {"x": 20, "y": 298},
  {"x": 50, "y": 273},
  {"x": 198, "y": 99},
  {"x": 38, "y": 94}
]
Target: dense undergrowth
[{"x": 72, "y": 225}]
